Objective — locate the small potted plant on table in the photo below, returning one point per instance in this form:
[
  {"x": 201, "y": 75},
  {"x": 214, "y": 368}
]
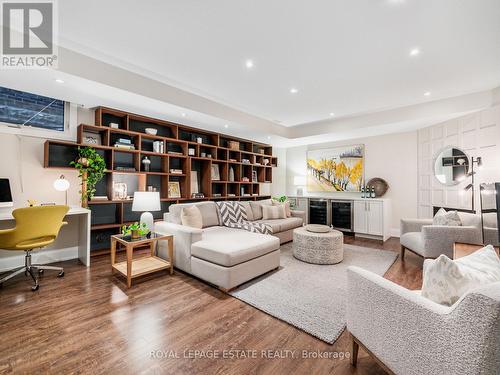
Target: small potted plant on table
[{"x": 135, "y": 230}]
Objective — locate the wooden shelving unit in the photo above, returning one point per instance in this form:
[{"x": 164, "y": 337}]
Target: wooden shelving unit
[{"x": 251, "y": 164}]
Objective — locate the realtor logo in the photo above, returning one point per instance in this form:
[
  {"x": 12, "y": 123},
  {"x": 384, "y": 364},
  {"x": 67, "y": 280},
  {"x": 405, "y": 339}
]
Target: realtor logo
[{"x": 28, "y": 34}]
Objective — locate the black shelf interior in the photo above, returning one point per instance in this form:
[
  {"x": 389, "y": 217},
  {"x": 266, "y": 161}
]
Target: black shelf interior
[
  {"x": 141, "y": 126},
  {"x": 124, "y": 160},
  {"x": 156, "y": 163},
  {"x": 61, "y": 155},
  {"x": 108, "y": 118},
  {"x": 100, "y": 239},
  {"x": 102, "y": 214}
]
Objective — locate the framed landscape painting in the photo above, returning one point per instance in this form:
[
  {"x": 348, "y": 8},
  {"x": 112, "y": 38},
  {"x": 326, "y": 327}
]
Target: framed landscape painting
[{"x": 336, "y": 169}]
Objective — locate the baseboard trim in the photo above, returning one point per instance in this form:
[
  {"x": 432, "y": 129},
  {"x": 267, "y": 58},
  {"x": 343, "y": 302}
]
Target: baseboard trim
[
  {"x": 38, "y": 257},
  {"x": 395, "y": 232}
]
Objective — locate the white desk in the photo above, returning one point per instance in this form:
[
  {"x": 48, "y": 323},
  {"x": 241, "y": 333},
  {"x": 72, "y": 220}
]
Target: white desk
[{"x": 73, "y": 241}]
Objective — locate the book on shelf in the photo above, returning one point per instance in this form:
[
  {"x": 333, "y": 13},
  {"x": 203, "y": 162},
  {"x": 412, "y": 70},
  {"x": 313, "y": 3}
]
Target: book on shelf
[
  {"x": 246, "y": 195},
  {"x": 124, "y": 146},
  {"x": 255, "y": 195},
  {"x": 175, "y": 153},
  {"x": 176, "y": 171},
  {"x": 125, "y": 169},
  {"x": 217, "y": 195},
  {"x": 125, "y": 141},
  {"x": 99, "y": 198},
  {"x": 231, "y": 195}
]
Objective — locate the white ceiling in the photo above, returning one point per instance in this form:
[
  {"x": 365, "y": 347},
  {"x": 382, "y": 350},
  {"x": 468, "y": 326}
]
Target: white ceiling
[
  {"x": 165, "y": 58},
  {"x": 347, "y": 57}
]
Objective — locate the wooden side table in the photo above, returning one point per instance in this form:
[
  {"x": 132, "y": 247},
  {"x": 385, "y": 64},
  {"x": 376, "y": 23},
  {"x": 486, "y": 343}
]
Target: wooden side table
[
  {"x": 132, "y": 268},
  {"x": 461, "y": 249}
]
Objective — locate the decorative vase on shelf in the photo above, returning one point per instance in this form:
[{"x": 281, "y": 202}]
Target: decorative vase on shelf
[
  {"x": 146, "y": 163},
  {"x": 231, "y": 174}
]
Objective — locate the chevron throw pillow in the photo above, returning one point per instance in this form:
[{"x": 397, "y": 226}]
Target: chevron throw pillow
[{"x": 232, "y": 212}]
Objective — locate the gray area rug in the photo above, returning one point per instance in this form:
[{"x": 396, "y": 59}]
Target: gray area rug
[{"x": 308, "y": 296}]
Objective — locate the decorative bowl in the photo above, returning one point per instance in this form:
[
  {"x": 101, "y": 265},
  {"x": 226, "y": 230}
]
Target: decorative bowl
[
  {"x": 151, "y": 131},
  {"x": 380, "y": 185},
  {"x": 318, "y": 228}
]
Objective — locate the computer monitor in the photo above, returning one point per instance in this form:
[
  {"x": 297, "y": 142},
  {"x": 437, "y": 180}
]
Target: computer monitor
[{"x": 5, "y": 193}]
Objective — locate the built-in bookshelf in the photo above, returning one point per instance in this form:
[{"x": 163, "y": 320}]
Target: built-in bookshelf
[{"x": 240, "y": 166}]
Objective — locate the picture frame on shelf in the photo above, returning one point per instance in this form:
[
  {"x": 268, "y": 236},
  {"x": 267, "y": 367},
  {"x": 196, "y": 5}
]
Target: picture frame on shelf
[
  {"x": 215, "y": 172},
  {"x": 90, "y": 138},
  {"x": 254, "y": 176},
  {"x": 119, "y": 191},
  {"x": 194, "y": 182},
  {"x": 174, "y": 189}
]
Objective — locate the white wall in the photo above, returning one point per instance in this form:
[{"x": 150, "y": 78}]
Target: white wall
[
  {"x": 392, "y": 157},
  {"x": 21, "y": 160},
  {"x": 278, "y": 187},
  {"x": 478, "y": 134}
]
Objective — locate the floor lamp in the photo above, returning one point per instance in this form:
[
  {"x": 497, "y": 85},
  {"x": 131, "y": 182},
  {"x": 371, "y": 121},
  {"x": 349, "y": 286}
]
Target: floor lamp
[{"x": 479, "y": 163}]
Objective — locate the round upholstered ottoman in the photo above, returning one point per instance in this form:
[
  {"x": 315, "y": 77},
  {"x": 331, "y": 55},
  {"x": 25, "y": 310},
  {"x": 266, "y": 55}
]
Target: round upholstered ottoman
[{"x": 318, "y": 248}]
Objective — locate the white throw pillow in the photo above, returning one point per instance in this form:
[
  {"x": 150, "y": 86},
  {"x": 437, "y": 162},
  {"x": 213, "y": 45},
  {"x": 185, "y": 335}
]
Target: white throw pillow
[
  {"x": 286, "y": 205},
  {"x": 191, "y": 217},
  {"x": 257, "y": 208},
  {"x": 273, "y": 212},
  {"x": 446, "y": 280},
  {"x": 450, "y": 218}
]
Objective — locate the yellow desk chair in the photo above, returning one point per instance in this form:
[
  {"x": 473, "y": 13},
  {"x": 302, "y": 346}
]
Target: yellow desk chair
[{"x": 36, "y": 227}]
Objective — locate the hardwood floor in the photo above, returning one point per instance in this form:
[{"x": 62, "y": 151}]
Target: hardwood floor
[{"x": 88, "y": 322}]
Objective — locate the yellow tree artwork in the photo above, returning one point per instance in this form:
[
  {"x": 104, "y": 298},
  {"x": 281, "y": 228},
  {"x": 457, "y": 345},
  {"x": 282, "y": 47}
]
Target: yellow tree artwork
[{"x": 335, "y": 169}]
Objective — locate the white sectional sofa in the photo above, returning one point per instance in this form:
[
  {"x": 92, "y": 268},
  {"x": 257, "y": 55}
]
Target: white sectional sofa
[{"x": 225, "y": 257}]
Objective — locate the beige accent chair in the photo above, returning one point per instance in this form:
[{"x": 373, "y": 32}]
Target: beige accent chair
[
  {"x": 430, "y": 241},
  {"x": 412, "y": 335}
]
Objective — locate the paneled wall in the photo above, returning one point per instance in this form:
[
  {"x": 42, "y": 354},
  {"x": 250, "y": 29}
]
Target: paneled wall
[{"x": 478, "y": 134}]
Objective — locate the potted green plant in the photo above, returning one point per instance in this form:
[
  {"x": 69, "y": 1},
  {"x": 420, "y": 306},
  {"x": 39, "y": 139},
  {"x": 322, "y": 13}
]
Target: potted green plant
[
  {"x": 135, "y": 230},
  {"x": 91, "y": 168},
  {"x": 281, "y": 199}
]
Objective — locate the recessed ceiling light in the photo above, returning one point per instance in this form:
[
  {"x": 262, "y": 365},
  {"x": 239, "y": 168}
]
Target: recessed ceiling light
[
  {"x": 332, "y": 114},
  {"x": 226, "y": 126},
  {"x": 268, "y": 137},
  {"x": 183, "y": 114},
  {"x": 427, "y": 93},
  {"x": 249, "y": 64},
  {"x": 293, "y": 90},
  {"x": 58, "y": 80},
  {"x": 414, "y": 52}
]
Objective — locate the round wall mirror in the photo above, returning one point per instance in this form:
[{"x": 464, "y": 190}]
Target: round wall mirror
[{"x": 451, "y": 166}]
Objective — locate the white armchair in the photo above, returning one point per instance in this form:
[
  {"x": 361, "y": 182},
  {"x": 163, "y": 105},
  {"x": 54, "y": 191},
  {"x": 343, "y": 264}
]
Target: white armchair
[
  {"x": 429, "y": 241},
  {"x": 412, "y": 335}
]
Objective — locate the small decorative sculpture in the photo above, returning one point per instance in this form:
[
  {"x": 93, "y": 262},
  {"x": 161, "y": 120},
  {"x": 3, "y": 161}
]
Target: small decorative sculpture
[
  {"x": 147, "y": 163},
  {"x": 231, "y": 174}
]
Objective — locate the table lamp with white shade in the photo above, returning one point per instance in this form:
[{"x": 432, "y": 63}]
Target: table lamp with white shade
[
  {"x": 61, "y": 184},
  {"x": 146, "y": 201},
  {"x": 299, "y": 181}
]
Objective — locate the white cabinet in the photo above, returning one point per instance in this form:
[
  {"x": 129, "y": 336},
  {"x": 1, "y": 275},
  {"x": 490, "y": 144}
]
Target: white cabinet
[
  {"x": 371, "y": 217},
  {"x": 360, "y": 217},
  {"x": 375, "y": 218}
]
